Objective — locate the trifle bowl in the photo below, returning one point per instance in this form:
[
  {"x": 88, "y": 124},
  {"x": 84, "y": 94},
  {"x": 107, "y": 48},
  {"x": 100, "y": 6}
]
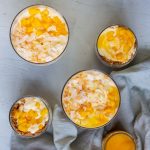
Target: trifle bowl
[
  {"x": 30, "y": 116},
  {"x": 39, "y": 34},
  {"x": 90, "y": 99},
  {"x": 116, "y": 46}
]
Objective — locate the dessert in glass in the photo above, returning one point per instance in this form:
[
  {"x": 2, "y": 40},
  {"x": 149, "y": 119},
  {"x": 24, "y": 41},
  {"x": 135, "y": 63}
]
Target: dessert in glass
[
  {"x": 116, "y": 46},
  {"x": 90, "y": 99},
  {"x": 119, "y": 140},
  {"x": 39, "y": 34},
  {"x": 30, "y": 116}
]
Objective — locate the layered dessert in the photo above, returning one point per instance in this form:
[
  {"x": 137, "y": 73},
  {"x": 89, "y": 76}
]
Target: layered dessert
[
  {"x": 90, "y": 99},
  {"x": 29, "y": 116},
  {"x": 117, "y": 45},
  {"x": 39, "y": 34},
  {"x": 119, "y": 141}
]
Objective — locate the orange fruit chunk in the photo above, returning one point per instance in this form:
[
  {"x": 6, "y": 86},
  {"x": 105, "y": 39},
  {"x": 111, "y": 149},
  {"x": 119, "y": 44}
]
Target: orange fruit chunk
[
  {"x": 40, "y": 25},
  {"x": 45, "y": 12},
  {"x": 38, "y": 105},
  {"x": 44, "y": 112},
  {"x": 33, "y": 10}
]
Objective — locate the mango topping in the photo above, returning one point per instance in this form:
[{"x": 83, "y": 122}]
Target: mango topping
[{"x": 39, "y": 21}]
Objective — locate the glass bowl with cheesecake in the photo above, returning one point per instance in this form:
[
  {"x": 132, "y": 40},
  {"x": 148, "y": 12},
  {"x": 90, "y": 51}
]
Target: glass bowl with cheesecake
[
  {"x": 30, "y": 116},
  {"x": 90, "y": 99},
  {"x": 39, "y": 34},
  {"x": 116, "y": 46}
]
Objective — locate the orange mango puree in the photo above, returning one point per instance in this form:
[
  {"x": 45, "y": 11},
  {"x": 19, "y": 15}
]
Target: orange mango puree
[{"x": 120, "y": 141}]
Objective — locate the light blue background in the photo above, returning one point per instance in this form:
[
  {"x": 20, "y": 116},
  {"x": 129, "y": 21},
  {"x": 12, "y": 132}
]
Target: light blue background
[{"x": 86, "y": 18}]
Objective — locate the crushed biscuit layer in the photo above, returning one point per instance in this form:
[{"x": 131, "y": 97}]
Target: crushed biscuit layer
[
  {"x": 39, "y": 34},
  {"x": 117, "y": 44},
  {"x": 90, "y": 99}
]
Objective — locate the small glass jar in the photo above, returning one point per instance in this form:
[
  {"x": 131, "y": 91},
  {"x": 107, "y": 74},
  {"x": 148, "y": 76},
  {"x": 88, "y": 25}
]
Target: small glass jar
[
  {"x": 37, "y": 133},
  {"x": 101, "y": 54},
  {"x": 23, "y": 52},
  {"x": 108, "y": 78},
  {"x": 126, "y": 134}
]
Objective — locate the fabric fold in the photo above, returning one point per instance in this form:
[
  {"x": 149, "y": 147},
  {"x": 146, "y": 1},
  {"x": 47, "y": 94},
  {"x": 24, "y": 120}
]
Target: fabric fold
[{"x": 64, "y": 131}]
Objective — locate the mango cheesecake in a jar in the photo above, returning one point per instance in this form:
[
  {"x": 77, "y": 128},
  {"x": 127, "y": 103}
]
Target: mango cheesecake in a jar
[
  {"x": 30, "y": 116},
  {"x": 116, "y": 46},
  {"x": 39, "y": 34},
  {"x": 119, "y": 140},
  {"x": 90, "y": 99}
]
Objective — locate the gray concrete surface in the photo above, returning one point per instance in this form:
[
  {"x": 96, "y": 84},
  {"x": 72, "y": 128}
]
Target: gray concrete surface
[{"x": 86, "y": 18}]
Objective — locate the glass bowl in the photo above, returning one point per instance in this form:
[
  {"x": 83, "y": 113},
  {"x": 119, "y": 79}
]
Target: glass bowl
[
  {"x": 114, "y": 64},
  {"x": 36, "y": 134},
  {"x": 22, "y": 13},
  {"x": 116, "y": 108}
]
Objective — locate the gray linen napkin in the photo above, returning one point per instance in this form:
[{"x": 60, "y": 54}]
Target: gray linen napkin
[{"x": 133, "y": 117}]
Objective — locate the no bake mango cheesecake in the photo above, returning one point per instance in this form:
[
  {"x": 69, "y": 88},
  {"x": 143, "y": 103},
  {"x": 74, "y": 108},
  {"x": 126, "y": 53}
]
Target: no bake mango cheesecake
[
  {"x": 90, "y": 99},
  {"x": 39, "y": 34},
  {"x": 116, "y": 45},
  {"x": 29, "y": 116}
]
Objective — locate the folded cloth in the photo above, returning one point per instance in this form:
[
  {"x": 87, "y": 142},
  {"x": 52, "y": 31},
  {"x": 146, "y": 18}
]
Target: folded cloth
[
  {"x": 133, "y": 117},
  {"x": 43, "y": 142}
]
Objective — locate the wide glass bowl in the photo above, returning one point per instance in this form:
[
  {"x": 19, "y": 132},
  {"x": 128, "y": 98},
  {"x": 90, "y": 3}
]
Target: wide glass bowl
[
  {"x": 39, "y": 34},
  {"x": 90, "y": 99}
]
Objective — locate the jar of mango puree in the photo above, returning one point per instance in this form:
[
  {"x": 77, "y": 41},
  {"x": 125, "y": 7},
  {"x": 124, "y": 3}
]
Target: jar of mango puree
[{"x": 119, "y": 140}]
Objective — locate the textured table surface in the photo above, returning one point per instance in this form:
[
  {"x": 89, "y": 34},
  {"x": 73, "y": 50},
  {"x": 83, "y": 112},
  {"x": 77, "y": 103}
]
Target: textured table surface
[{"x": 86, "y": 18}]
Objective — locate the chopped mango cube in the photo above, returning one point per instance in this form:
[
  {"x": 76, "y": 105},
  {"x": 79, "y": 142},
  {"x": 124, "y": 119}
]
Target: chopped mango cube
[
  {"x": 44, "y": 112},
  {"x": 34, "y": 10}
]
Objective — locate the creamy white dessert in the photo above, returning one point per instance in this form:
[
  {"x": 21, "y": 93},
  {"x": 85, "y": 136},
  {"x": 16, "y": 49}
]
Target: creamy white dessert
[
  {"x": 29, "y": 116},
  {"x": 117, "y": 45},
  {"x": 90, "y": 99},
  {"x": 39, "y": 34}
]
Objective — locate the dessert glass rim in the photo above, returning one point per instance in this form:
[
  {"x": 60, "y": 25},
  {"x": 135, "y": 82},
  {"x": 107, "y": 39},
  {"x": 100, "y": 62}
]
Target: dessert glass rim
[
  {"x": 47, "y": 124},
  {"x": 109, "y": 135},
  {"x": 114, "y": 114},
  {"x": 116, "y": 65},
  {"x": 36, "y": 63}
]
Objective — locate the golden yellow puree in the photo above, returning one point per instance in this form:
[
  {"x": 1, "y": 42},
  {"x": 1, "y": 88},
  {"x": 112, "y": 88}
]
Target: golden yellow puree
[
  {"x": 120, "y": 141},
  {"x": 116, "y": 44}
]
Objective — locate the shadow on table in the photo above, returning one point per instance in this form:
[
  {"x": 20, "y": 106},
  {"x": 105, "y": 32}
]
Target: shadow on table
[{"x": 36, "y": 88}]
